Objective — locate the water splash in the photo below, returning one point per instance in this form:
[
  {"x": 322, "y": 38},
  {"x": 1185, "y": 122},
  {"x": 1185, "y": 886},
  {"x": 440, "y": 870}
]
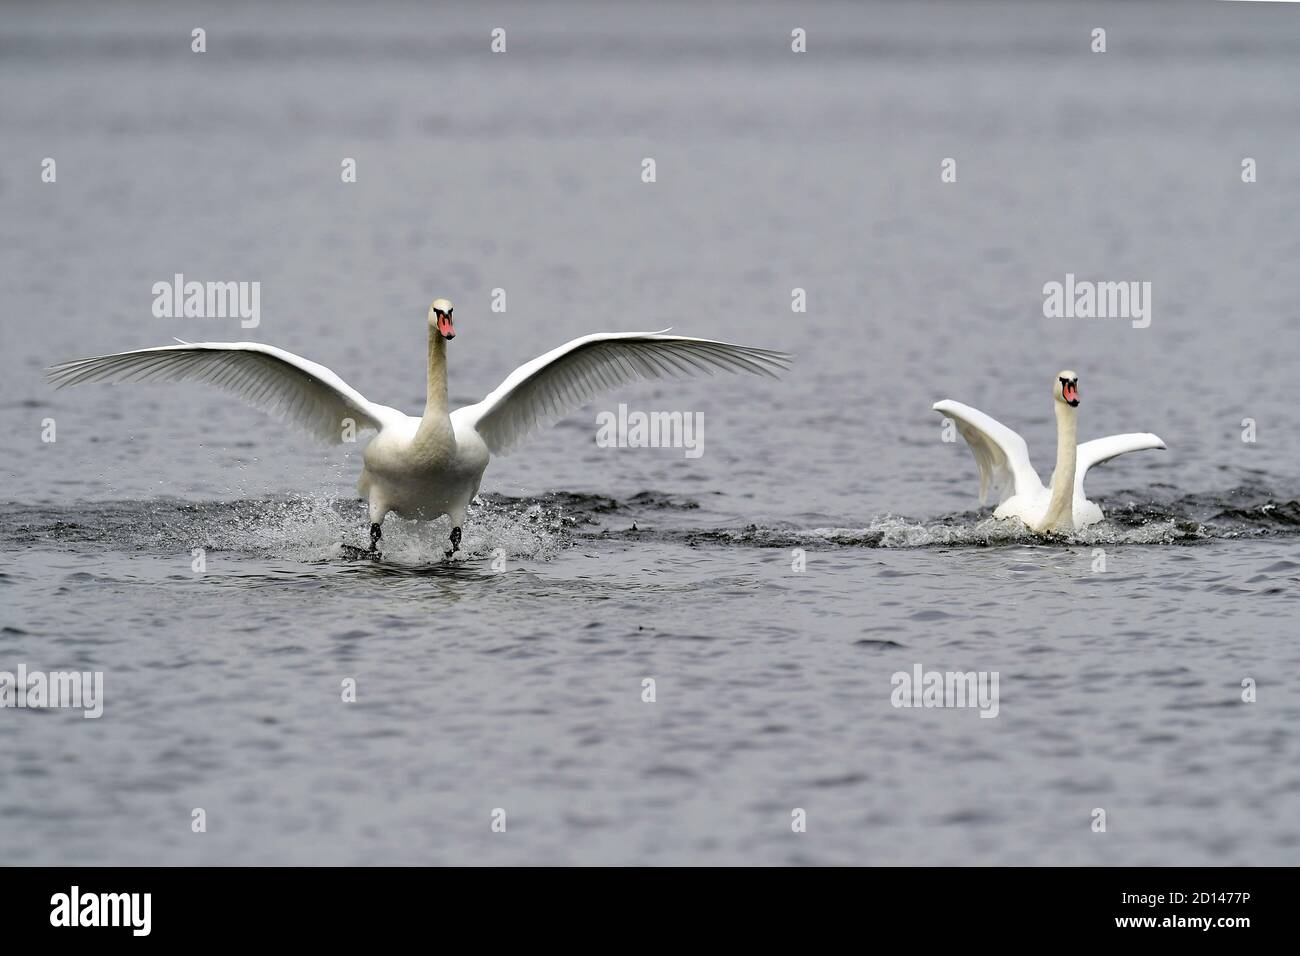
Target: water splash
[
  {"x": 315, "y": 528},
  {"x": 297, "y": 528},
  {"x": 956, "y": 531},
  {"x": 1248, "y": 511}
]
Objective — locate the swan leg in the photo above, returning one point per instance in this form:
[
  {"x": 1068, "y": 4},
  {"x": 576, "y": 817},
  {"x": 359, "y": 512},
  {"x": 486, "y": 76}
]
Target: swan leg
[
  {"x": 378, "y": 512},
  {"x": 455, "y": 541}
]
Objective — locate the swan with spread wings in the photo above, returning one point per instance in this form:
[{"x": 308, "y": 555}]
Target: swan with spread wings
[
  {"x": 428, "y": 466},
  {"x": 1003, "y": 459}
]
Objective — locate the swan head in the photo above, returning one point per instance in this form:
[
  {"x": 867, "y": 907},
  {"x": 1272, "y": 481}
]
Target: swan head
[
  {"x": 1066, "y": 388},
  {"x": 440, "y": 317}
]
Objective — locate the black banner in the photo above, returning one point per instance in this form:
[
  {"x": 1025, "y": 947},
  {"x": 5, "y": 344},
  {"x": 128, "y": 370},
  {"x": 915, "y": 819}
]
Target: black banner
[{"x": 370, "y": 905}]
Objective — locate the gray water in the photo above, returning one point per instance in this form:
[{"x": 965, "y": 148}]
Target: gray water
[{"x": 513, "y": 679}]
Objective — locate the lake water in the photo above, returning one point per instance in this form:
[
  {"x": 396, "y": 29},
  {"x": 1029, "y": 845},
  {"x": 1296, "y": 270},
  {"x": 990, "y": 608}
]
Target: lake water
[{"x": 514, "y": 679}]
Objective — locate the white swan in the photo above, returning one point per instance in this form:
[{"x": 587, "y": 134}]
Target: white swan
[
  {"x": 1003, "y": 460},
  {"x": 429, "y": 466}
]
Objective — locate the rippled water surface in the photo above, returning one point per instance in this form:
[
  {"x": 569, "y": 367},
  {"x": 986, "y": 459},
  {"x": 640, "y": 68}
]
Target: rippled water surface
[{"x": 513, "y": 679}]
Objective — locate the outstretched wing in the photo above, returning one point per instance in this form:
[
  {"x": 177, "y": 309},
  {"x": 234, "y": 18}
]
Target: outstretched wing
[
  {"x": 1104, "y": 449},
  {"x": 1001, "y": 454},
  {"x": 276, "y": 381},
  {"x": 549, "y": 387}
]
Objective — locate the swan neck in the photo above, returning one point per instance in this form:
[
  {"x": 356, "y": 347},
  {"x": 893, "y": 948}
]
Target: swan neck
[
  {"x": 1060, "y": 511},
  {"x": 436, "y": 403}
]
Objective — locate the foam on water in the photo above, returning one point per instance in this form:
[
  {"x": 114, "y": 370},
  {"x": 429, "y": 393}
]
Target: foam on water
[
  {"x": 304, "y": 528},
  {"x": 313, "y": 528},
  {"x": 1243, "y": 512},
  {"x": 891, "y": 531}
]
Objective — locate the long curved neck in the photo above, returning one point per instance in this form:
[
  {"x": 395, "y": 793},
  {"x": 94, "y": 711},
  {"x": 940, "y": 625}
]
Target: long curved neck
[
  {"x": 1060, "y": 510},
  {"x": 435, "y": 405}
]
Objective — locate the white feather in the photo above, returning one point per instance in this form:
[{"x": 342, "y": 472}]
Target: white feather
[
  {"x": 1003, "y": 460},
  {"x": 1092, "y": 453},
  {"x": 289, "y": 386},
  {"x": 429, "y": 466},
  {"x": 1000, "y": 453},
  {"x": 564, "y": 379}
]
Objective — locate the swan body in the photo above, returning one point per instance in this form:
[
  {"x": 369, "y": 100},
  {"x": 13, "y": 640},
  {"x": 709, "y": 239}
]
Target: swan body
[
  {"x": 432, "y": 465},
  {"x": 1003, "y": 460}
]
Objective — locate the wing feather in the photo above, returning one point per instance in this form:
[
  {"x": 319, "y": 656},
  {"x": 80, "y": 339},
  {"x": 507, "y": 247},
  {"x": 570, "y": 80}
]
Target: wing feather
[
  {"x": 1092, "y": 453},
  {"x": 547, "y": 388},
  {"x": 279, "y": 382},
  {"x": 1000, "y": 453}
]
